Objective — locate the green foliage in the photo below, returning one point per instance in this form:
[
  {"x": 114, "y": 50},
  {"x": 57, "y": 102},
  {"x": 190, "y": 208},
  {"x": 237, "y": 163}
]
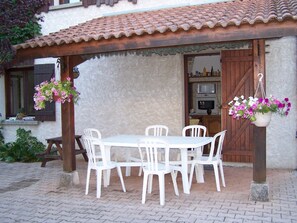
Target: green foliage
[
  {"x": 21, "y": 34},
  {"x": 24, "y": 149},
  {"x": 1, "y": 137},
  {"x": 18, "y": 23}
]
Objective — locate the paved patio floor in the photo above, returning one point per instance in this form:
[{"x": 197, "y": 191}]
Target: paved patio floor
[{"x": 29, "y": 193}]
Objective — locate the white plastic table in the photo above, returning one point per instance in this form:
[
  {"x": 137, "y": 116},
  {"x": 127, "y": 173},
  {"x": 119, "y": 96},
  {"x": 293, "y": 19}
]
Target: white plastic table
[{"x": 175, "y": 142}]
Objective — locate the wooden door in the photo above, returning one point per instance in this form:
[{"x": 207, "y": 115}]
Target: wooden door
[{"x": 237, "y": 80}]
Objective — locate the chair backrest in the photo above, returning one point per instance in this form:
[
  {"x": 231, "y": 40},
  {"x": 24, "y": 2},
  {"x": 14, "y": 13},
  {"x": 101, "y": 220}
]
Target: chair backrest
[
  {"x": 194, "y": 131},
  {"x": 152, "y": 149},
  {"x": 92, "y": 133},
  {"x": 156, "y": 130},
  {"x": 95, "y": 151},
  {"x": 217, "y": 143}
]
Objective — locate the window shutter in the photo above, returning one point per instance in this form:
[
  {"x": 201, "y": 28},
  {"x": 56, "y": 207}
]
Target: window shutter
[{"x": 43, "y": 72}]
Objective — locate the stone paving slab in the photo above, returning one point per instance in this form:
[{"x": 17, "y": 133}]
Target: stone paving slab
[{"x": 29, "y": 193}]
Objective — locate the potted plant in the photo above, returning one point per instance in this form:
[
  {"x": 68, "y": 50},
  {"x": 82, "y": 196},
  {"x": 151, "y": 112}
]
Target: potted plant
[
  {"x": 258, "y": 110},
  {"x": 55, "y": 90}
]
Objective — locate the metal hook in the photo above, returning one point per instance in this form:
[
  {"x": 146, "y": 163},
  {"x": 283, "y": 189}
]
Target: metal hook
[{"x": 260, "y": 75}]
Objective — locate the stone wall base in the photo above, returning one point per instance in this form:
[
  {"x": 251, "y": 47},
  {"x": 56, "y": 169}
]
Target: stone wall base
[{"x": 259, "y": 191}]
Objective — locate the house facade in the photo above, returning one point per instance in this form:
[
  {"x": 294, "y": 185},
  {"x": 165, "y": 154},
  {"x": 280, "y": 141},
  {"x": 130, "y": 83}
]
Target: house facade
[{"x": 123, "y": 92}]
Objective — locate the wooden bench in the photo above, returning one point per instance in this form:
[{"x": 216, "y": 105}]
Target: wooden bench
[{"x": 57, "y": 153}]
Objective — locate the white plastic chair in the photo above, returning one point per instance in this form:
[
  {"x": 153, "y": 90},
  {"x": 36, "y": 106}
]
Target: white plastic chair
[
  {"x": 99, "y": 163},
  {"x": 155, "y": 130},
  {"x": 213, "y": 159},
  {"x": 152, "y": 165},
  {"x": 92, "y": 133},
  {"x": 192, "y": 131},
  {"x": 151, "y": 130}
]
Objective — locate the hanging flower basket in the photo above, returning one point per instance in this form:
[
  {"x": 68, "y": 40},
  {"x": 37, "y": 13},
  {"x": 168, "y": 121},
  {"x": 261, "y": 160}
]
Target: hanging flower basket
[
  {"x": 58, "y": 91},
  {"x": 262, "y": 119},
  {"x": 258, "y": 110}
]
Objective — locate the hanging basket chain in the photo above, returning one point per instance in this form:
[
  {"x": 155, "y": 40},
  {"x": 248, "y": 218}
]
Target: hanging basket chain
[{"x": 260, "y": 86}]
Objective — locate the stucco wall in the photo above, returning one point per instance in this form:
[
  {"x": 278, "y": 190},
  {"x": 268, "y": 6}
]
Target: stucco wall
[
  {"x": 124, "y": 94},
  {"x": 281, "y": 82}
]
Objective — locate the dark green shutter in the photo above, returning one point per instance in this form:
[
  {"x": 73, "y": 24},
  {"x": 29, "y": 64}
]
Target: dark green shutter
[{"x": 43, "y": 72}]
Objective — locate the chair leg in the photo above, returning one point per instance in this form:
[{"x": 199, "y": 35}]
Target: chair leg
[
  {"x": 162, "y": 188},
  {"x": 173, "y": 176},
  {"x": 191, "y": 175},
  {"x": 121, "y": 178},
  {"x": 128, "y": 171},
  {"x": 150, "y": 185},
  {"x": 196, "y": 172},
  {"x": 144, "y": 186},
  {"x": 190, "y": 159},
  {"x": 140, "y": 171},
  {"x": 216, "y": 172},
  {"x": 199, "y": 173},
  {"x": 222, "y": 173},
  {"x": 106, "y": 177},
  {"x": 128, "y": 168},
  {"x": 99, "y": 180},
  {"x": 88, "y": 180}
]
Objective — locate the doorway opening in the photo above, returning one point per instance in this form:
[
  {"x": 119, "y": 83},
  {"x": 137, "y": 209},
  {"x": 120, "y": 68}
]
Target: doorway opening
[{"x": 203, "y": 89}]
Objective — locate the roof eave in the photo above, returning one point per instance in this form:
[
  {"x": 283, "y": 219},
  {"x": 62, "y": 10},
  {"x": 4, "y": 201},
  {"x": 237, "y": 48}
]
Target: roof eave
[{"x": 167, "y": 39}]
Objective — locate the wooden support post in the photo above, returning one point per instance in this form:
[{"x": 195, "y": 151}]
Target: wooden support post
[
  {"x": 68, "y": 125},
  {"x": 259, "y": 165},
  {"x": 68, "y": 128},
  {"x": 259, "y": 172},
  {"x": 259, "y": 187}
]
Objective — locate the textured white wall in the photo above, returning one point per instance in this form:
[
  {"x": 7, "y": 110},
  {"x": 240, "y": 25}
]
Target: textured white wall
[
  {"x": 281, "y": 82},
  {"x": 124, "y": 94}
]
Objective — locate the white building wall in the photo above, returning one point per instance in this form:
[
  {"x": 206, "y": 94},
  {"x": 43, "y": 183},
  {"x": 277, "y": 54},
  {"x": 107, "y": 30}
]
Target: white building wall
[{"x": 281, "y": 82}]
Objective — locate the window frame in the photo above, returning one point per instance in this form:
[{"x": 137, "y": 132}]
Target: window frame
[
  {"x": 25, "y": 74},
  {"x": 40, "y": 72}
]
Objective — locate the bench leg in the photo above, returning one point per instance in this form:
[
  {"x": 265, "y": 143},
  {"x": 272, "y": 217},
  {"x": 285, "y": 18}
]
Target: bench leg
[
  {"x": 43, "y": 162},
  {"x": 82, "y": 148},
  {"x": 47, "y": 151}
]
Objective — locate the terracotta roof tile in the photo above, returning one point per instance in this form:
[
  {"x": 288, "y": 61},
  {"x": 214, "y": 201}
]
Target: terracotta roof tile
[{"x": 220, "y": 14}]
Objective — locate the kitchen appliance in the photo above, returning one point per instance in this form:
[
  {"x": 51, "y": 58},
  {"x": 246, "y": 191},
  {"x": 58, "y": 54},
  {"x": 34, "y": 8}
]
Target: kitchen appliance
[
  {"x": 206, "y": 88},
  {"x": 205, "y": 98},
  {"x": 206, "y": 105}
]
